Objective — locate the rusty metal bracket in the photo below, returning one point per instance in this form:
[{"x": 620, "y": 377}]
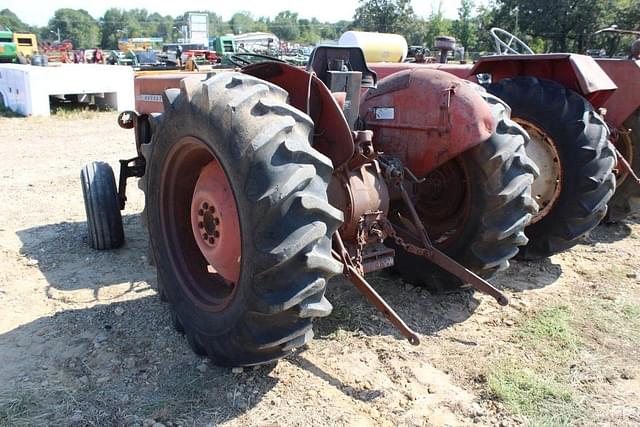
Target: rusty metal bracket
[
  {"x": 442, "y": 260},
  {"x": 626, "y": 165},
  {"x": 129, "y": 168},
  {"x": 374, "y": 297},
  {"x": 395, "y": 176}
]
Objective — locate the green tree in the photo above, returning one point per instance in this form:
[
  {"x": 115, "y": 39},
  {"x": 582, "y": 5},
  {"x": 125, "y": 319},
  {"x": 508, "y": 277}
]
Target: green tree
[
  {"x": 385, "y": 16},
  {"x": 437, "y": 25},
  {"x": 285, "y": 26},
  {"x": 242, "y": 22},
  {"x": 112, "y": 25},
  {"x": 217, "y": 25},
  {"x": 76, "y": 25},
  {"x": 309, "y": 30},
  {"x": 566, "y": 25},
  {"x": 10, "y": 21},
  {"x": 465, "y": 28}
]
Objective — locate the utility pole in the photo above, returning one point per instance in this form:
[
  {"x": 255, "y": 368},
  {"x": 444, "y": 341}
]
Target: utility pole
[{"x": 57, "y": 32}]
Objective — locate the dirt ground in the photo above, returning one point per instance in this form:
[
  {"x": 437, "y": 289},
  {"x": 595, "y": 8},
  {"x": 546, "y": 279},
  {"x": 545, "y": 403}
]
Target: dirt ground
[{"x": 84, "y": 340}]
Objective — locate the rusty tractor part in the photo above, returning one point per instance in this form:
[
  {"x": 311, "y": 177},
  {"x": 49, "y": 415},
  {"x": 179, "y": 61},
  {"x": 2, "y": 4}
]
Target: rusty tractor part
[
  {"x": 570, "y": 144},
  {"x": 473, "y": 207},
  {"x": 581, "y": 81},
  {"x": 262, "y": 184},
  {"x": 626, "y": 199}
]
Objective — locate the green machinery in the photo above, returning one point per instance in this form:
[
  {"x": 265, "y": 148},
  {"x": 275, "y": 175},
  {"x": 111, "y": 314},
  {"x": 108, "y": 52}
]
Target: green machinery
[{"x": 8, "y": 49}]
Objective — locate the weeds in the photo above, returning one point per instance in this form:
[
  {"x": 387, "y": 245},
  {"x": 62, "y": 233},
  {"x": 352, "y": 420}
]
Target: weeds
[
  {"x": 534, "y": 394},
  {"x": 534, "y": 382},
  {"x": 550, "y": 333}
]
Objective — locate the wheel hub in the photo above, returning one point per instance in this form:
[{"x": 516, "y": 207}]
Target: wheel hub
[
  {"x": 547, "y": 186},
  {"x": 442, "y": 201},
  {"x": 208, "y": 222},
  {"x": 214, "y": 222}
]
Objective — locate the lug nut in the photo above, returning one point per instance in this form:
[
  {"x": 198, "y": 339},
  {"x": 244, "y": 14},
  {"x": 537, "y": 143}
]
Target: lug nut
[
  {"x": 212, "y": 209},
  {"x": 205, "y": 206},
  {"x": 200, "y": 212},
  {"x": 217, "y": 221},
  {"x": 216, "y": 233},
  {"x": 201, "y": 224},
  {"x": 205, "y": 236},
  {"x": 211, "y": 240}
]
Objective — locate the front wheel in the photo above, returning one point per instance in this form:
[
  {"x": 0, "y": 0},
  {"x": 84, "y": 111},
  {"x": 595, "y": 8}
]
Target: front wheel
[
  {"x": 475, "y": 207},
  {"x": 238, "y": 218},
  {"x": 102, "y": 206}
]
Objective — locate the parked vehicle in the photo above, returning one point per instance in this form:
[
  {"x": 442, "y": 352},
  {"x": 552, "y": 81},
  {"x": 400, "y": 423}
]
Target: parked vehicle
[{"x": 262, "y": 184}]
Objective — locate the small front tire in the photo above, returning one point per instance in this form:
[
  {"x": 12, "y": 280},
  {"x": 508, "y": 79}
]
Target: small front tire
[{"x": 102, "y": 206}]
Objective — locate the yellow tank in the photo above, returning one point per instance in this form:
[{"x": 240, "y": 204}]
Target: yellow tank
[{"x": 377, "y": 47}]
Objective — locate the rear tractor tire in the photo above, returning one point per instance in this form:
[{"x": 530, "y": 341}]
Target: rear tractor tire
[
  {"x": 238, "y": 218},
  {"x": 570, "y": 145},
  {"x": 102, "y": 206},
  {"x": 475, "y": 207}
]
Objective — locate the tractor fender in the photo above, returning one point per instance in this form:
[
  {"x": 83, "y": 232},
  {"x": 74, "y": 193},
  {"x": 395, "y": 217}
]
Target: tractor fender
[
  {"x": 425, "y": 117},
  {"x": 332, "y": 135},
  {"x": 579, "y": 73},
  {"x": 624, "y": 102}
]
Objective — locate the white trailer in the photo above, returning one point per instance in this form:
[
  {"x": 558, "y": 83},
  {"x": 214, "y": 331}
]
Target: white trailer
[{"x": 27, "y": 89}]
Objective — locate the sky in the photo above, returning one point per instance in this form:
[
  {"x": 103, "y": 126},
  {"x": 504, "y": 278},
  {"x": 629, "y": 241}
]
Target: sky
[{"x": 38, "y": 12}]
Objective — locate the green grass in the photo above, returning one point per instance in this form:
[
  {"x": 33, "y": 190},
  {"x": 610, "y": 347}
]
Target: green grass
[
  {"x": 535, "y": 379},
  {"x": 533, "y": 393},
  {"x": 550, "y": 333},
  {"x": 631, "y": 311},
  {"x": 77, "y": 111},
  {"x": 533, "y": 382}
]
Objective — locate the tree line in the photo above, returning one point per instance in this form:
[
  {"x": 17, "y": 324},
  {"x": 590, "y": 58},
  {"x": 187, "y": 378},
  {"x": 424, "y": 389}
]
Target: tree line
[{"x": 546, "y": 25}]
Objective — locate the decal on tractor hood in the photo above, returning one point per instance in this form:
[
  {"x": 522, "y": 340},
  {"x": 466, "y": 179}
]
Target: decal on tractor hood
[
  {"x": 149, "y": 98},
  {"x": 384, "y": 113}
]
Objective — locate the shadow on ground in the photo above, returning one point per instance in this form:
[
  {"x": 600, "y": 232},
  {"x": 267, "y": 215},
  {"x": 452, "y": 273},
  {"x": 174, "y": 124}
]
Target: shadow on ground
[
  {"x": 94, "y": 367},
  {"x": 610, "y": 232},
  {"x": 68, "y": 262},
  {"x": 526, "y": 275},
  {"x": 122, "y": 362}
]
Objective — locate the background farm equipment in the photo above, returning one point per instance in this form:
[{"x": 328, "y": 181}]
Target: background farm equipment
[
  {"x": 8, "y": 51},
  {"x": 263, "y": 184},
  {"x": 59, "y": 51}
]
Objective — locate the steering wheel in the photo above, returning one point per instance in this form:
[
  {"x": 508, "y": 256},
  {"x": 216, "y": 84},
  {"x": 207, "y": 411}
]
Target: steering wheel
[{"x": 505, "y": 48}]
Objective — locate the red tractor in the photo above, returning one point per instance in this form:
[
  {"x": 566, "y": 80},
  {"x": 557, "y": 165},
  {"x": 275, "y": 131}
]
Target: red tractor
[
  {"x": 559, "y": 99},
  {"x": 262, "y": 184}
]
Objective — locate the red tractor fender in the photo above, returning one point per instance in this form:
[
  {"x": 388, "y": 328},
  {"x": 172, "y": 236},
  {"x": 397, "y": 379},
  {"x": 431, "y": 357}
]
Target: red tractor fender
[
  {"x": 425, "y": 117},
  {"x": 579, "y": 73},
  {"x": 332, "y": 136},
  {"x": 624, "y": 102}
]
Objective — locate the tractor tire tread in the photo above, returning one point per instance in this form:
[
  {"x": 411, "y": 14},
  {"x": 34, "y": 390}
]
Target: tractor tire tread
[
  {"x": 284, "y": 182},
  {"x": 588, "y": 179},
  {"x": 102, "y": 206}
]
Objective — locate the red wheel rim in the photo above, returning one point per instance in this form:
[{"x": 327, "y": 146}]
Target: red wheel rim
[
  {"x": 214, "y": 221},
  {"x": 547, "y": 187},
  {"x": 208, "y": 270}
]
